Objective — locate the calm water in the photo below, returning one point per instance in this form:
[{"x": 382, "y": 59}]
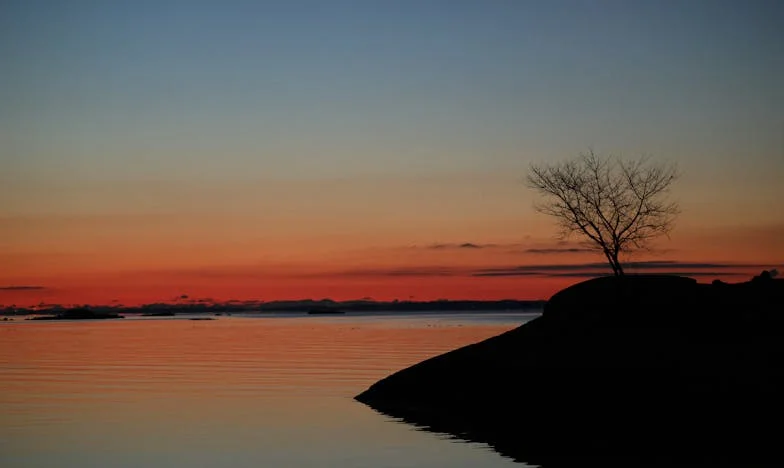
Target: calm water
[{"x": 235, "y": 392}]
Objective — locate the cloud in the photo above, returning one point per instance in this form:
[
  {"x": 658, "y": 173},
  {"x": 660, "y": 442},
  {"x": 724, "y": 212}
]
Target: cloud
[
  {"x": 464, "y": 245},
  {"x": 596, "y": 274},
  {"x": 559, "y": 250},
  {"x": 526, "y": 270},
  {"x": 544, "y": 270},
  {"x": 569, "y": 270},
  {"x": 664, "y": 264},
  {"x": 566, "y": 247},
  {"x": 21, "y": 288},
  {"x": 400, "y": 272},
  {"x": 589, "y": 270}
]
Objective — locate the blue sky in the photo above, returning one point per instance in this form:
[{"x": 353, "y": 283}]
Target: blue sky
[{"x": 290, "y": 89}]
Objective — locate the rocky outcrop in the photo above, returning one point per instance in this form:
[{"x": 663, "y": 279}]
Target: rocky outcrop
[{"x": 630, "y": 370}]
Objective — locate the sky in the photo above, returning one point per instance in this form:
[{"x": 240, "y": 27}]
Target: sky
[{"x": 347, "y": 149}]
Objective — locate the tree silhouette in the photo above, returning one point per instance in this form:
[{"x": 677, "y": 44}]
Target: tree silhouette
[{"x": 618, "y": 205}]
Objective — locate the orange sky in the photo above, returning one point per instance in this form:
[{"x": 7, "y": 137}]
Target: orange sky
[
  {"x": 242, "y": 150},
  {"x": 384, "y": 238}
]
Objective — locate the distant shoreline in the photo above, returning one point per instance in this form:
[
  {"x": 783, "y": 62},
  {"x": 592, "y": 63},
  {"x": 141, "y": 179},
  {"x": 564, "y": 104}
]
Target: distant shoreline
[{"x": 289, "y": 306}]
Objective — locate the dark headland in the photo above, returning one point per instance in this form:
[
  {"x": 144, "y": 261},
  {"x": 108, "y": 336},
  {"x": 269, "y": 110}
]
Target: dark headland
[{"x": 633, "y": 371}]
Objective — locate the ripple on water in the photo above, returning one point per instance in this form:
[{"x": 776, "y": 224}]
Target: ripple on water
[{"x": 159, "y": 391}]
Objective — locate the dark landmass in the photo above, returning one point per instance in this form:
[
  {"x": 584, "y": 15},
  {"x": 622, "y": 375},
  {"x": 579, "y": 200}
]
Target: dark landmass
[
  {"x": 326, "y": 312},
  {"x": 305, "y": 305},
  {"x": 635, "y": 371},
  {"x": 79, "y": 314}
]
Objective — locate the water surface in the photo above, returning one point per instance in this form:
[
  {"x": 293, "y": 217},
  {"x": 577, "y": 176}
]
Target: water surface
[{"x": 261, "y": 391}]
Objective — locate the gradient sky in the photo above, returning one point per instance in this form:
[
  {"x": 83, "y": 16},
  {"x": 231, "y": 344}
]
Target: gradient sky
[{"x": 268, "y": 150}]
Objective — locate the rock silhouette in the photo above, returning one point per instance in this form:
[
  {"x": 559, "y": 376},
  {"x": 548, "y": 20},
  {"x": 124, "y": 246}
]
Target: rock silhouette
[{"x": 628, "y": 370}]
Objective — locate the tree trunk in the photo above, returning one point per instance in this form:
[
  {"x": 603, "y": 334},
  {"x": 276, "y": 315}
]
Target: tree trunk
[
  {"x": 612, "y": 259},
  {"x": 617, "y": 267}
]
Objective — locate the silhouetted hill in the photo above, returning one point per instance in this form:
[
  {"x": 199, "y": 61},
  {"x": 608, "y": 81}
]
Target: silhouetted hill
[{"x": 627, "y": 371}]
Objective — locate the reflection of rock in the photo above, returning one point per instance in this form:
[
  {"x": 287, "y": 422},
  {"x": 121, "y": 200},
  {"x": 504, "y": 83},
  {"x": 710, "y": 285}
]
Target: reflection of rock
[
  {"x": 80, "y": 314},
  {"x": 325, "y": 312},
  {"x": 638, "y": 368}
]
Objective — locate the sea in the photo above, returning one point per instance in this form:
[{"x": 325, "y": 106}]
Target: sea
[{"x": 245, "y": 390}]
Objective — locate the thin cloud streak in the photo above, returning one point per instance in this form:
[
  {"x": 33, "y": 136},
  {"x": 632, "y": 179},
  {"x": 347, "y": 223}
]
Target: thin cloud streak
[
  {"x": 22, "y": 288},
  {"x": 574, "y": 270},
  {"x": 570, "y": 270},
  {"x": 514, "y": 247},
  {"x": 670, "y": 267},
  {"x": 547, "y": 251},
  {"x": 586, "y": 274},
  {"x": 464, "y": 245},
  {"x": 399, "y": 272}
]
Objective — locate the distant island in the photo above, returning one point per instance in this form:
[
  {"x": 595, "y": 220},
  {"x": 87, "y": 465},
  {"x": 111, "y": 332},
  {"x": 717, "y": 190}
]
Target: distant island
[
  {"x": 79, "y": 314},
  {"x": 305, "y": 305}
]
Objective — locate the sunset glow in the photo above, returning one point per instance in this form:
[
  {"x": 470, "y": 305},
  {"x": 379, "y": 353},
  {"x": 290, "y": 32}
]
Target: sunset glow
[{"x": 369, "y": 150}]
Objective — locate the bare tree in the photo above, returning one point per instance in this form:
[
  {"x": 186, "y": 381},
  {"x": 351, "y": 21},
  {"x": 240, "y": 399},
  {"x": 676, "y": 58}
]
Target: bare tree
[{"x": 618, "y": 205}]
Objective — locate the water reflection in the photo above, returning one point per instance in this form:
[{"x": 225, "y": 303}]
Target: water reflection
[{"x": 236, "y": 391}]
